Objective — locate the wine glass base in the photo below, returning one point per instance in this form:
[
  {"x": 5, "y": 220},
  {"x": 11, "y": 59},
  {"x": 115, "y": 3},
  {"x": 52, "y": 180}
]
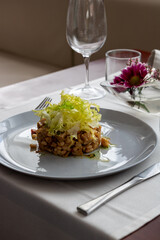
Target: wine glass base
[{"x": 88, "y": 93}]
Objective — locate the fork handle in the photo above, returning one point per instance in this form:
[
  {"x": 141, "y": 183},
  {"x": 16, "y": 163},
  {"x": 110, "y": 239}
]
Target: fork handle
[{"x": 95, "y": 203}]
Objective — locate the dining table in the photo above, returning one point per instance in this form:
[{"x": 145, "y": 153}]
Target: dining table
[{"x": 41, "y": 208}]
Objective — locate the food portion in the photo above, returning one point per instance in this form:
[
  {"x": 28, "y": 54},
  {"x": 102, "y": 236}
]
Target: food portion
[{"x": 69, "y": 128}]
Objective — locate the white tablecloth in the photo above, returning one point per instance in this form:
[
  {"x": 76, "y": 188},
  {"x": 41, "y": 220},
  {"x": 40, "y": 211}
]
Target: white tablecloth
[{"x": 34, "y": 208}]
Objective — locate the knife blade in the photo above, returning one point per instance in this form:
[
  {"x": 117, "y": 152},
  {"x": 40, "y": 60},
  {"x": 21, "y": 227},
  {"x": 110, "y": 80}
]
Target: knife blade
[{"x": 95, "y": 203}]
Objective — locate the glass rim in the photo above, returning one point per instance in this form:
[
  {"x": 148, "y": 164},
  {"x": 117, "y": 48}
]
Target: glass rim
[{"x": 123, "y": 50}]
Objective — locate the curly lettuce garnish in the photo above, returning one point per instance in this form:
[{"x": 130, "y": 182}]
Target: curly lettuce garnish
[{"x": 72, "y": 114}]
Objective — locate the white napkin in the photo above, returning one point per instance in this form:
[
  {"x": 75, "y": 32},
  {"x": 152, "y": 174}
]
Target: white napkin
[{"x": 154, "y": 58}]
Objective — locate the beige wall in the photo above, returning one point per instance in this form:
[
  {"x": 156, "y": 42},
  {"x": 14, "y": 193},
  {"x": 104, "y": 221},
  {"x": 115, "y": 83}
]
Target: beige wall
[
  {"x": 132, "y": 24},
  {"x": 36, "y": 28}
]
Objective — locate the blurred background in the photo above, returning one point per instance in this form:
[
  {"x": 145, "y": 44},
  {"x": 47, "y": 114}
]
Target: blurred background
[{"x": 33, "y": 40}]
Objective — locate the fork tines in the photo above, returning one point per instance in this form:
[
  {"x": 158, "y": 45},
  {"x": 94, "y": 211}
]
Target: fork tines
[{"x": 44, "y": 103}]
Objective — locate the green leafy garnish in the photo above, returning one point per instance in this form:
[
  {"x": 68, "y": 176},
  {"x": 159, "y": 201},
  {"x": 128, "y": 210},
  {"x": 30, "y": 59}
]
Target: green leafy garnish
[{"x": 72, "y": 114}]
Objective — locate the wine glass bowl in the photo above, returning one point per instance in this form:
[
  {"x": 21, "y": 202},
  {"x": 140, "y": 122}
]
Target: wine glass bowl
[{"x": 86, "y": 34}]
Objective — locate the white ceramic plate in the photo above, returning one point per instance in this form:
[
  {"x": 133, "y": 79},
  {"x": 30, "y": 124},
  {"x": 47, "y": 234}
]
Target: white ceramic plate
[{"x": 134, "y": 141}]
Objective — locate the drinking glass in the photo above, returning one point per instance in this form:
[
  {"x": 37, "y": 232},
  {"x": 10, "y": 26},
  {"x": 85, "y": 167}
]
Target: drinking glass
[
  {"x": 117, "y": 59},
  {"x": 86, "y": 34}
]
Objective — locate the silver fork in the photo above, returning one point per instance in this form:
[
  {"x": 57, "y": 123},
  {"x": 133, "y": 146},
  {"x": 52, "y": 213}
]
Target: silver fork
[{"x": 45, "y": 103}]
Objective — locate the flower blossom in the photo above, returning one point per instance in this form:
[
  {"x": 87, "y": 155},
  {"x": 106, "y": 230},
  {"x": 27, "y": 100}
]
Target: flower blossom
[
  {"x": 156, "y": 74},
  {"x": 132, "y": 76}
]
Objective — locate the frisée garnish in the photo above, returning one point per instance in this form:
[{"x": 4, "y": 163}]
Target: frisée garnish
[{"x": 71, "y": 114}]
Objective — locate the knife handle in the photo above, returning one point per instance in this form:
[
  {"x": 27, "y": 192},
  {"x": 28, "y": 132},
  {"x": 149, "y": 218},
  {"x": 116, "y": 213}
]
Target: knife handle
[{"x": 95, "y": 203}]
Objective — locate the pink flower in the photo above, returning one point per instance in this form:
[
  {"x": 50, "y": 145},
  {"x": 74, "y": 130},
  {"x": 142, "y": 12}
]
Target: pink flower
[
  {"x": 132, "y": 76},
  {"x": 156, "y": 74}
]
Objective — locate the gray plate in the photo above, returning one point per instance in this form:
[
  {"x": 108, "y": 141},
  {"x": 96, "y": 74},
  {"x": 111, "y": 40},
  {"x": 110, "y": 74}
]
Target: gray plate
[{"x": 134, "y": 141}]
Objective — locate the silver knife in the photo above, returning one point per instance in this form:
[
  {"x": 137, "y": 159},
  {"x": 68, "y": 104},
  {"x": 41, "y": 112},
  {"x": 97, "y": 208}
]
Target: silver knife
[{"x": 95, "y": 203}]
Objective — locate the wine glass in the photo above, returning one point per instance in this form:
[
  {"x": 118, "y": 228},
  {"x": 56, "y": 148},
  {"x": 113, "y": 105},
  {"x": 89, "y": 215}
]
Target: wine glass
[{"x": 86, "y": 34}]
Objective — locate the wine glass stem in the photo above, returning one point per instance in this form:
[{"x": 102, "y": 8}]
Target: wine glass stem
[{"x": 86, "y": 62}]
